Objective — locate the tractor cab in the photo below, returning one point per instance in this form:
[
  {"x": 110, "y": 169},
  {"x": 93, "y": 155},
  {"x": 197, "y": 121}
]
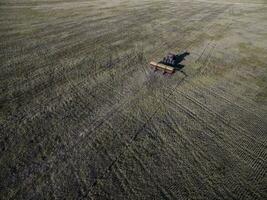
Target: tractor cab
[{"x": 170, "y": 59}]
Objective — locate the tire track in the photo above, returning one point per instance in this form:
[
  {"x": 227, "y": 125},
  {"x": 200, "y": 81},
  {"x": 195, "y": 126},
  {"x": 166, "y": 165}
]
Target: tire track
[
  {"x": 192, "y": 114},
  {"x": 213, "y": 92},
  {"x": 202, "y": 170},
  {"x": 259, "y": 149},
  {"x": 127, "y": 146},
  {"x": 135, "y": 136},
  {"x": 230, "y": 145},
  {"x": 217, "y": 115}
]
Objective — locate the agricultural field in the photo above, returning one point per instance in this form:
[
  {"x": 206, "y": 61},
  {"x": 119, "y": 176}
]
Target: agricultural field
[{"x": 83, "y": 116}]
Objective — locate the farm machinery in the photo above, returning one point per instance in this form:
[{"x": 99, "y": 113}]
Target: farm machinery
[{"x": 169, "y": 63}]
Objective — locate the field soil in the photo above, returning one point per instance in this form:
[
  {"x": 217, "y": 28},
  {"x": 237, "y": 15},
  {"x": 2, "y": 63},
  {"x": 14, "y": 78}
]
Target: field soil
[{"x": 83, "y": 116}]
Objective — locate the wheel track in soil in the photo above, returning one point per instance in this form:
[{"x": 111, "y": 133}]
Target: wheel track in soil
[
  {"x": 230, "y": 94},
  {"x": 134, "y": 138},
  {"x": 259, "y": 150},
  {"x": 232, "y": 146},
  {"x": 246, "y": 100},
  {"x": 217, "y": 115},
  {"x": 213, "y": 92},
  {"x": 76, "y": 94},
  {"x": 241, "y": 182},
  {"x": 200, "y": 153},
  {"x": 231, "y": 55},
  {"x": 114, "y": 110},
  {"x": 207, "y": 61},
  {"x": 100, "y": 67},
  {"x": 74, "y": 145},
  {"x": 192, "y": 145},
  {"x": 127, "y": 146},
  {"x": 118, "y": 107},
  {"x": 89, "y": 192},
  {"x": 108, "y": 169},
  {"x": 179, "y": 40}
]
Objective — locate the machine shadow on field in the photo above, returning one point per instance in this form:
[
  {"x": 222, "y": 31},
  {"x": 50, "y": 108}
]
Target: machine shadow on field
[{"x": 178, "y": 60}]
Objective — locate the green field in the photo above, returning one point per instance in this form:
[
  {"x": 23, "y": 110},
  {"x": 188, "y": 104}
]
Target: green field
[{"x": 83, "y": 116}]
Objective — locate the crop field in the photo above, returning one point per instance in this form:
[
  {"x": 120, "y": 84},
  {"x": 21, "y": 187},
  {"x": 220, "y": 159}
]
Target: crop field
[{"x": 83, "y": 116}]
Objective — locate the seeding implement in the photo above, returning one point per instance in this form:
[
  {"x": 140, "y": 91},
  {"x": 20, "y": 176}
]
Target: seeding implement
[{"x": 167, "y": 65}]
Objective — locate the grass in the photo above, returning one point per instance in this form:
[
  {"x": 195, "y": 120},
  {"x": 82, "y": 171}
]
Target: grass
[{"x": 83, "y": 116}]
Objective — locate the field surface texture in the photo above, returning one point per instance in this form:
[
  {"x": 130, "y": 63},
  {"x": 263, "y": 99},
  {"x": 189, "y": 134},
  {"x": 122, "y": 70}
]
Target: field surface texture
[{"x": 83, "y": 116}]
